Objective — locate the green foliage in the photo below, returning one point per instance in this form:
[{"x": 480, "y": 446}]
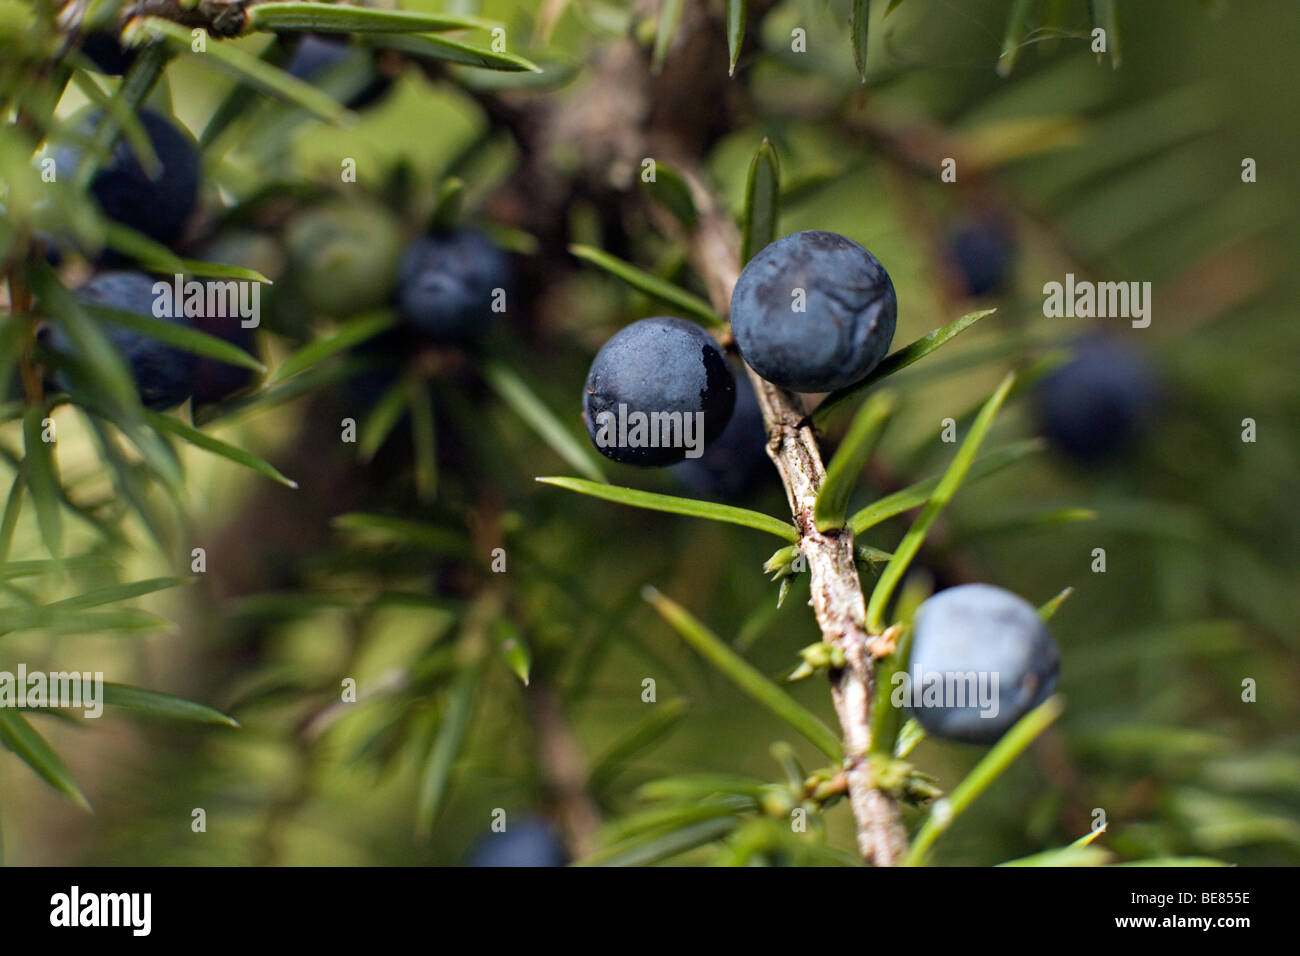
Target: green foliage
[
  {"x": 549, "y": 428},
  {"x": 736, "y": 669},
  {"x": 674, "y": 505},
  {"x": 486, "y": 624},
  {"x": 990, "y": 767},
  {"x": 327, "y": 19},
  {"x": 649, "y": 284},
  {"x": 899, "y": 360},
  {"x": 762, "y": 201},
  {"x": 842, "y": 473},
  {"x": 938, "y": 500},
  {"x": 735, "y": 32},
  {"x": 670, "y": 14},
  {"x": 233, "y": 61},
  {"x": 18, "y": 735},
  {"x": 858, "y": 23}
]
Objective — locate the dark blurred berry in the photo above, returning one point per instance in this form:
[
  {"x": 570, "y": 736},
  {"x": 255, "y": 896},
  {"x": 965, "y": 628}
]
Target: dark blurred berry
[
  {"x": 1097, "y": 404},
  {"x": 314, "y": 54},
  {"x": 448, "y": 282},
  {"x": 104, "y": 49},
  {"x": 163, "y": 375},
  {"x": 981, "y": 253},
  {"x": 530, "y": 842},
  {"x": 158, "y": 207}
]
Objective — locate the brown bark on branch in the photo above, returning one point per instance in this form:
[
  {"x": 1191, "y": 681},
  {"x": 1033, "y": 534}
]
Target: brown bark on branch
[
  {"x": 220, "y": 18},
  {"x": 564, "y": 769}
]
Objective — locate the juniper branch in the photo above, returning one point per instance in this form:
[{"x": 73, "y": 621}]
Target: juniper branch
[
  {"x": 616, "y": 119},
  {"x": 837, "y": 598}
]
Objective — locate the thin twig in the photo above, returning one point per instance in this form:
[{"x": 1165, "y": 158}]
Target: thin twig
[
  {"x": 564, "y": 768},
  {"x": 220, "y": 18}
]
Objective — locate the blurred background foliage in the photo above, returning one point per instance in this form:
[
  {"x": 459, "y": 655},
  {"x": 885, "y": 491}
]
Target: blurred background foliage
[{"x": 1126, "y": 173}]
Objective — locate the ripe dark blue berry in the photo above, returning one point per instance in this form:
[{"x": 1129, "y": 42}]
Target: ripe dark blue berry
[
  {"x": 735, "y": 462},
  {"x": 814, "y": 312},
  {"x": 658, "y": 389},
  {"x": 343, "y": 256},
  {"x": 1096, "y": 404},
  {"x": 163, "y": 375},
  {"x": 314, "y": 54},
  {"x": 530, "y": 842},
  {"x": 981, "y": 659},
  {"x": 157, "y": 207},
  {"x": 104, "y": 49},
  {"x": 981, "y": 253},
  {"x": 447, "y": 284}
]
